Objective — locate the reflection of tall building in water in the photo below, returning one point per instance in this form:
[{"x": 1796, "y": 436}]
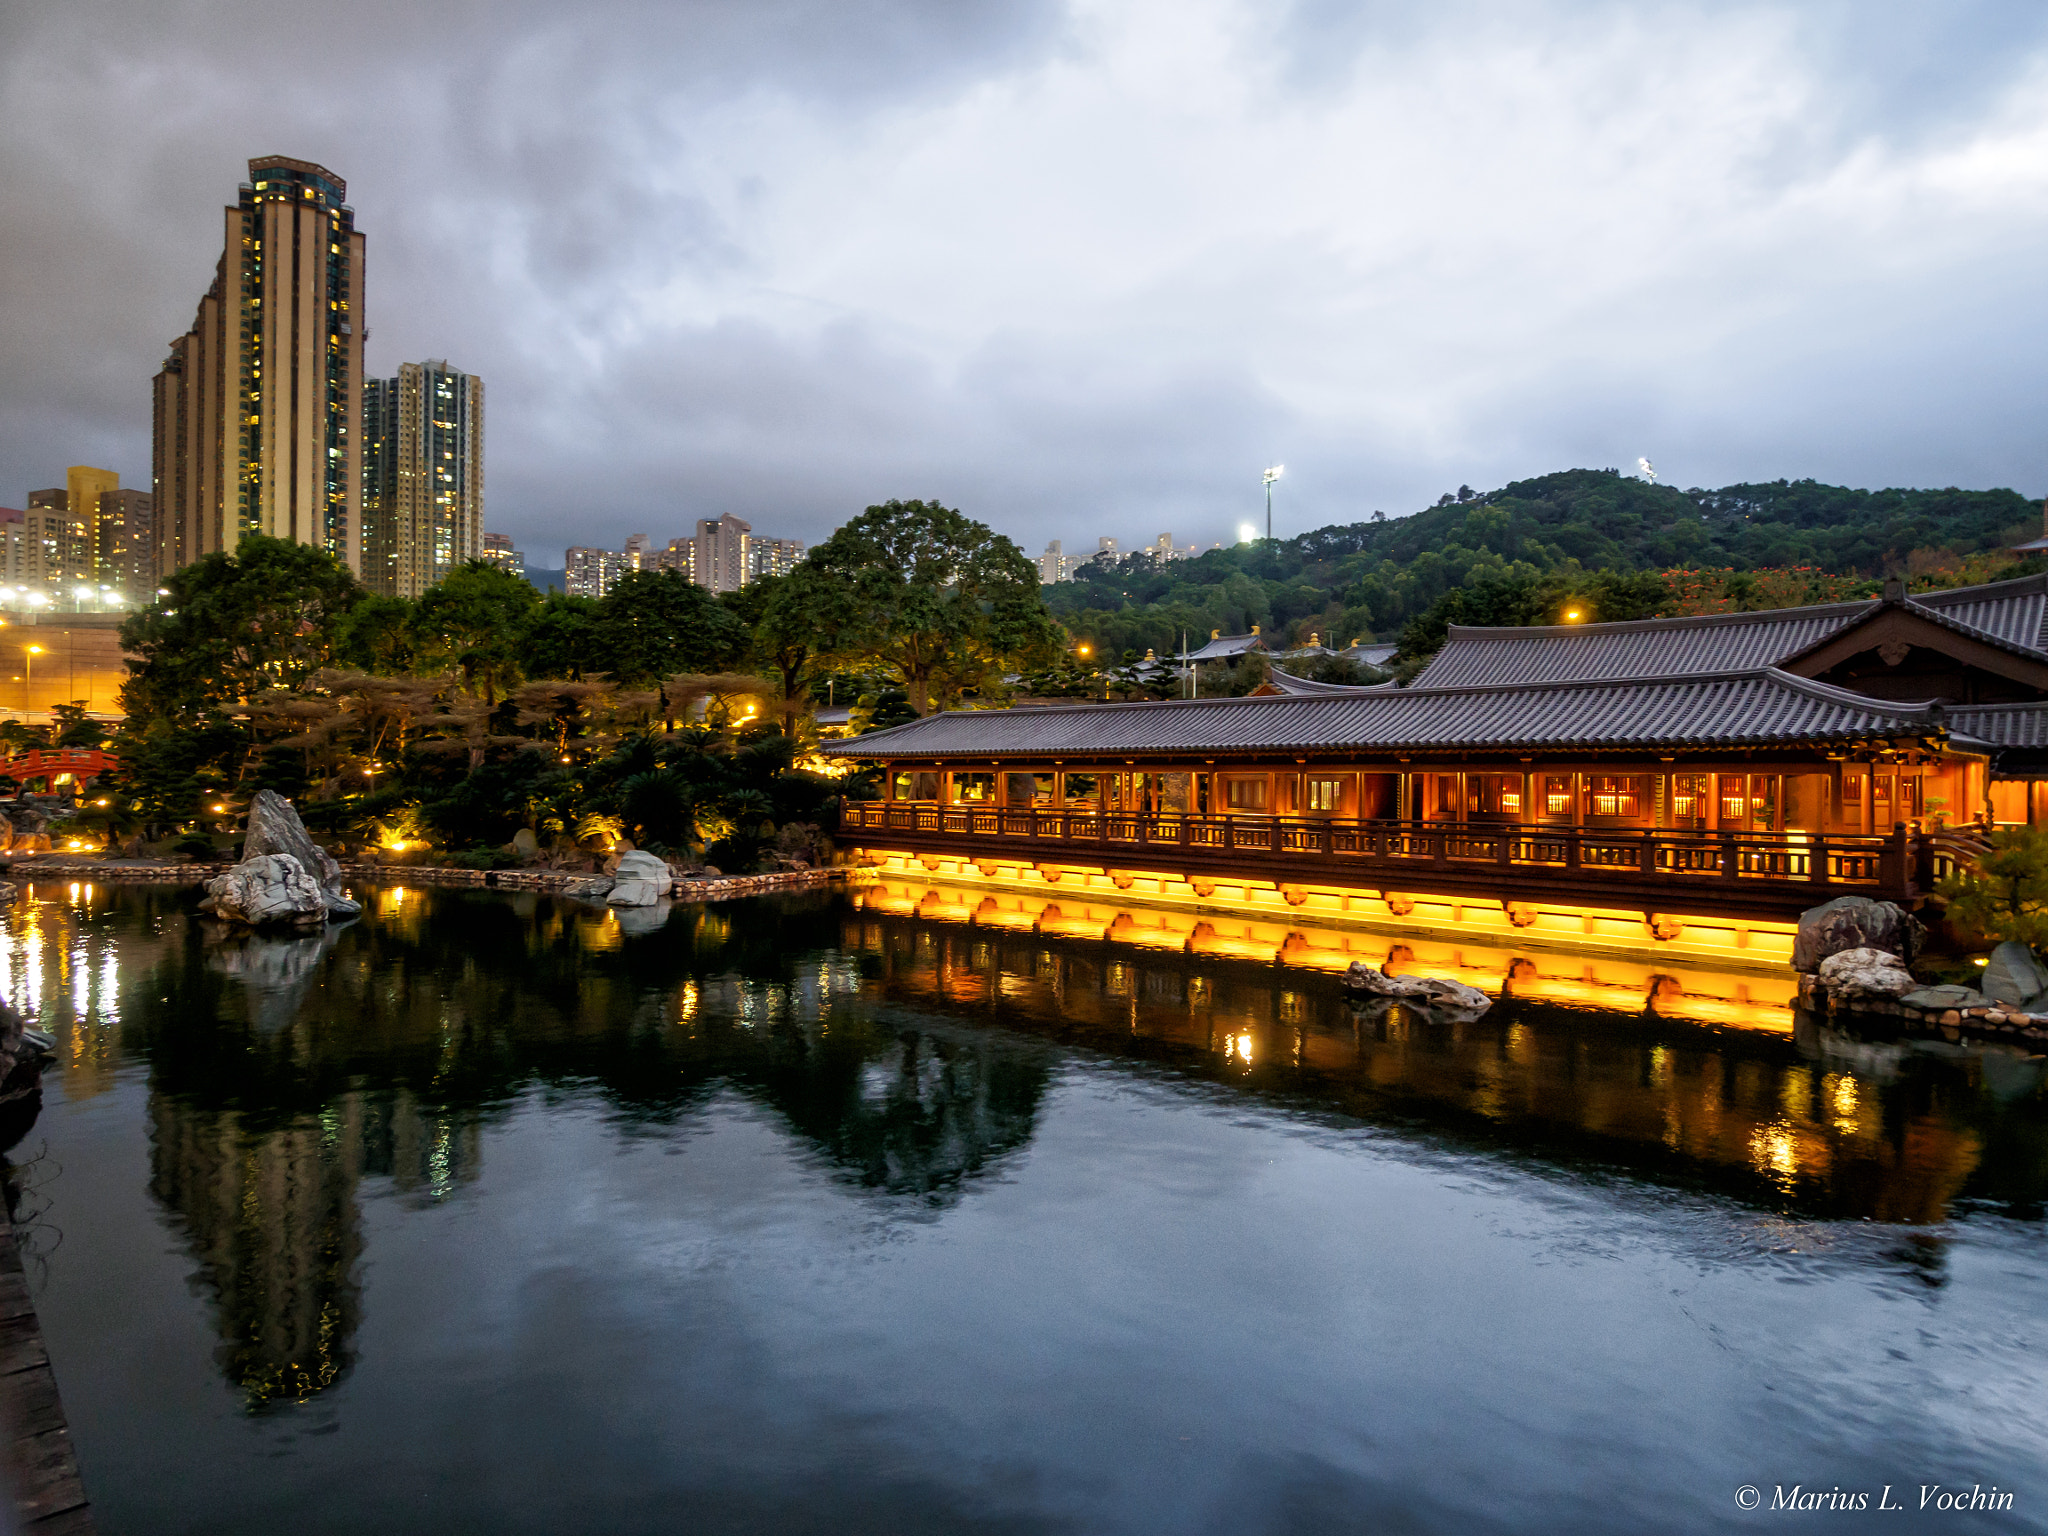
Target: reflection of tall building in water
[{"x": 272, "y": 1216}]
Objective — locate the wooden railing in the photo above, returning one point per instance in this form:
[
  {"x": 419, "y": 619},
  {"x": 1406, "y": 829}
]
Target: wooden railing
[{"x": 1894, "y": 866}]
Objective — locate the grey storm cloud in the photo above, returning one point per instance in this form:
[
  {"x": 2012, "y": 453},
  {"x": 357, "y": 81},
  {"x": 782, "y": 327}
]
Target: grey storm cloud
[{"x": 1078, "y": 268}]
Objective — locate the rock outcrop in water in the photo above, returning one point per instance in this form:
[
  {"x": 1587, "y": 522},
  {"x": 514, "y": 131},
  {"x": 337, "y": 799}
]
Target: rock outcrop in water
[
  {"x": 274, "y": 827},
  {"x": 270, "y": 888},
  {"x": 1432, "y": 992},
  {"x": 1854, "y": 922},
  {"x": 640, "y": 880},
  {"x": 284, "y": 877}
]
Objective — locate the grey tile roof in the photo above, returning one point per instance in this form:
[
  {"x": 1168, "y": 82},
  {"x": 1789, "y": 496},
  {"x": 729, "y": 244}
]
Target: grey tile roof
[
  {"x": 2014, "y": 611},
  {"x": 2003, "y": 725},
  {"x": 2009, "y": 614},
  {"x": 1718, "y": 642},
  {"x": 1225, "y": 646},
  {"x": 1287, "y": 682},
  {"x": 1761, "y": 707}
]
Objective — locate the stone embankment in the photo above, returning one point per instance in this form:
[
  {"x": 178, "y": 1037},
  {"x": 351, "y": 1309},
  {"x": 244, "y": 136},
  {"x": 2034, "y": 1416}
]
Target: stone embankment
[
  {"x": 704, "y": 888},
  {"x": 1855, "y": 956},
  {"x": 696, "y": 888},
  {"x": 1943, "y": 1007}
]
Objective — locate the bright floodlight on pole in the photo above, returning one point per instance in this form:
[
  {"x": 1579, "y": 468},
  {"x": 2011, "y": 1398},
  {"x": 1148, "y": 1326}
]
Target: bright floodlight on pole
[{"x": 1271, "y": 475}]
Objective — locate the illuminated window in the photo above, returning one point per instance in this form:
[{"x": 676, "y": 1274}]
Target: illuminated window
[
  {"x": 915, "y": 784},
  {"x": 975, "y": 788},
  {"x": 1557, "y": 794},
  {"x": 1322, "y": 794},
  {"x": 1852, "y": 798},
  {"x": 1616, "y": 794},
  {"x": 1688, "y": 797},
  {"x": 1245, "y": 794}
]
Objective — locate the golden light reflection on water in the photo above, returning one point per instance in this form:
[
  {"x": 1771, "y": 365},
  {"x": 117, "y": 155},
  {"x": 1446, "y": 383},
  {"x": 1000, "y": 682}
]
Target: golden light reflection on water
[
  {"x": 1684, "y": 1062},
  {"x": 63, "y": 972}
]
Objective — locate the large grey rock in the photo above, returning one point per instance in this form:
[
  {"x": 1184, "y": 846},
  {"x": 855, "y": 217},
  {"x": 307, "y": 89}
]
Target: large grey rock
[
  {"x": 1373, "y": 982},
  {"x": 1432, "y": 992},
  {"x": 640, "y": 880},
  {"x": 2014, "y": 974},
  {"x": 1866, "y": 975},
  {"x": 273, "y": 888},
  {"x": 1853, "y": 922},
  {"x": 1444, "y": 993},
  {"x": 275, "y": 828},
  {"x": 1942, "y": 998},
  {"x": 524, "y": 844}
]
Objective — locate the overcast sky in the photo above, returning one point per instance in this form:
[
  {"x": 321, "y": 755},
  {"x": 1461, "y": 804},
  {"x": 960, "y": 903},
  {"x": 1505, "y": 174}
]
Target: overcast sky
[{"x": 1074, "y": 268}]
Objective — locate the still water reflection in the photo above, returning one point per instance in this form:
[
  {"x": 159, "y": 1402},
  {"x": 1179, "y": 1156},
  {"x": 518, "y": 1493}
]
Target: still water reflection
[{"x": 499, "y": 1213}]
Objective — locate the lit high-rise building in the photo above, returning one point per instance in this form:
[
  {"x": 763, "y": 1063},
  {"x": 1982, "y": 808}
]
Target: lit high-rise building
[
  {"x": 594, "y": 572},
  {"x": 1055, "y": 564},
  {"x": 728, "y": 555},
  {"x": 499, "y": 551},
  {"x": 87, "y": 533},
  {"x": 423, "y": 476},
  {"x": 259, "y": 407},
  {"x": 681, "y": 555}
]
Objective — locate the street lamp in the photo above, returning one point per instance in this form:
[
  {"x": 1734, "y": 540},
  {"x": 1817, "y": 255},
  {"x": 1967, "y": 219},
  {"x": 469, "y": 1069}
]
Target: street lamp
[
  {"x": 28, "y": 677},
  {"x": 1271, "y": 475}
]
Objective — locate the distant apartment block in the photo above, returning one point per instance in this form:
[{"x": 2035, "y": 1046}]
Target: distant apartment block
[
  {"x": 723, "y": 556},
  {"x": 1055, "y": 565},
  {"x": 594, "y": 572},
  {"x": 86, "y": 535},
  {"x": 681, "y": 555},
  {"x": 423, "y": 476},
  {"x": 499, "y": 551},
  {"x": 729, "y": 554}
]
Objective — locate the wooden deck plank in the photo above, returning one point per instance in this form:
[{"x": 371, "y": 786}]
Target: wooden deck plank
[{"x": 42, "y": 1465}]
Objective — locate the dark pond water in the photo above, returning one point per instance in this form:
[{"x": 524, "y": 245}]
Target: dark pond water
[{"x": 486, "y": 1215}]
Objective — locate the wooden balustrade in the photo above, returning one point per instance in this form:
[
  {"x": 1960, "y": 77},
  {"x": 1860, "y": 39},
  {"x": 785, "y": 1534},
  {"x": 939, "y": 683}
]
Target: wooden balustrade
[{"x": 1899, "y": 866}]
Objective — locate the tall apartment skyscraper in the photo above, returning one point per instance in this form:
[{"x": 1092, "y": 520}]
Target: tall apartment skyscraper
[
  {"x": 423, "y": 476},
  {"x": 259, "y": 407}
]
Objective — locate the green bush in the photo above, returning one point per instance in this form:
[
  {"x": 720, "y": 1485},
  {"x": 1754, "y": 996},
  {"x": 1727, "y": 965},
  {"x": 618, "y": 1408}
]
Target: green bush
[{"x": 2006, "y": 895}]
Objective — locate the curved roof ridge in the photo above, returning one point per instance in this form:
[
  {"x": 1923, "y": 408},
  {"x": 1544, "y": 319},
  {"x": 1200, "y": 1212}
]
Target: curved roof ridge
[
  {"x": 1669, "y": 621},
  {"x": 2016, "y": 586}
]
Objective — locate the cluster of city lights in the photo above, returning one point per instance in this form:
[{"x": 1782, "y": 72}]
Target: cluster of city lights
[{"x": 36, "y": 597}]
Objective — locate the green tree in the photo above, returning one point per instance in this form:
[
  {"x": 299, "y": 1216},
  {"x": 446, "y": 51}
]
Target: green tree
[
  {"x": 265, "y": 616},
  {"x": 788, "y": 618},
  {"x": 655, "y": 624},
  {"x": 560, "y": 638},
  {"x": 939, "y": 602},
  {"x": 377, "y": 636},
  {"x": 2006, "y": 895},
  {"x": 473, "y": 619}
]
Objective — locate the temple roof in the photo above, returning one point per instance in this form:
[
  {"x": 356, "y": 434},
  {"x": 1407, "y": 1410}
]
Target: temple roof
[{"x": 1761, "y": 707}]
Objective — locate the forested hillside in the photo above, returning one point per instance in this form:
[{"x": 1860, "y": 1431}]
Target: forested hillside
[{"x": 1512, "y": 555}]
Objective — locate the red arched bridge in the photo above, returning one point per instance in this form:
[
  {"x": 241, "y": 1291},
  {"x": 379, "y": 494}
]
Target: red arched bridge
[{"x": 53, "y": 770}]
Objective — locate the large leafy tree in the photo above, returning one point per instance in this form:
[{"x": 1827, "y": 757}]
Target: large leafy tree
[
  {"x": 472, "y": 621},
  {"x": 559, "y": 640},
  {"x": 655, "y": 624},
  {"x": 267, "y": 615},
  {"x": 789, "y": 620},
  {"x": 932, "y": 598}
]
